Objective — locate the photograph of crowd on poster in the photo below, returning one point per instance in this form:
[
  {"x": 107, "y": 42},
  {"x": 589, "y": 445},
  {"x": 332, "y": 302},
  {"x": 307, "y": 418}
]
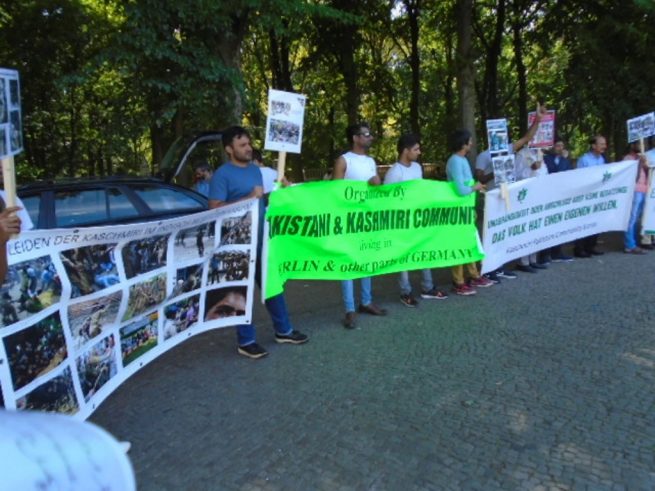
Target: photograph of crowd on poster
[
  {"x": 29, "y": 287},
  {"x": 90, "y": 269},
  {"x": 56, "y": 395},
  {"x": 228, "y": 266},
  {"x": 14, "y": 94},
  {"x": 138, "y": 338},
  {"x": 641, "y": 127},
  {"x": 145, "y": 295},
  {"x": 545, "y": 135},
  {"x": 187, "y": 279},
  {"x": 4, "y": 129},
  {"x": 96, "y": 366},
  {"x": 15, "y": 132},
  {"x": 497, "y": 135},
  {"x": 283, "y": 131},
  {"x": 225, "y": 302},
  {"x": 35, "y": 350},
  {"x": 180, "y": 316},
  {"x": 88, "y": 319},
  {"x": 504, "y": 171},
  {"x": 194, "y": 243},
  {"x": 143, "y": 255},
  {"x": 4, "y": 103},
  {"x": 236, "y": 230},
  {"x": 284, "y": 124}
]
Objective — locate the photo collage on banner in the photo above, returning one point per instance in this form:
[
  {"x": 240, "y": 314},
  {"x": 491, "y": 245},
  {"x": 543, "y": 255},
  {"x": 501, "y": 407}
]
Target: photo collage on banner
[
  {"x": 11, "y": 130},
  {"x": 81, "y": 310}
]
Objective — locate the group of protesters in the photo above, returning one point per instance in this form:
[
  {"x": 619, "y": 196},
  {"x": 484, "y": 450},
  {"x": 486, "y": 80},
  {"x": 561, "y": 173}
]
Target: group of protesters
[{"x": 240, "y": 178}]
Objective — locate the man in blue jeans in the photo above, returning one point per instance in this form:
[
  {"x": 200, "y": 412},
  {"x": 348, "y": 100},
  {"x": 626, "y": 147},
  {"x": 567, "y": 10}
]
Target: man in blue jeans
[
  {"x": 237, "y": 180},
  {"x": 356, "y": 165}
]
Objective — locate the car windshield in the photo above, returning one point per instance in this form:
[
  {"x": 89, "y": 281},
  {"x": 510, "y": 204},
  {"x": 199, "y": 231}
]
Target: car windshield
[{"x": 162, "y": 200}]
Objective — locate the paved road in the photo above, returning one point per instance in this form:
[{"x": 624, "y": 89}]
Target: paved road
[{"x": 545, "y": 382}]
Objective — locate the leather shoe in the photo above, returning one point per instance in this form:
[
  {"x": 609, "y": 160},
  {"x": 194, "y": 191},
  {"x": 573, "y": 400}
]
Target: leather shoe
[
  {"x": 372, "y": 309},
  {"x": 349, "y": 320}
]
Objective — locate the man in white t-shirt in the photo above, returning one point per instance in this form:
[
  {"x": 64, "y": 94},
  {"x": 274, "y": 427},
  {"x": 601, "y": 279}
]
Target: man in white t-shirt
[
  {"x": 407, "y": 169},
  {"x": 356, "y": 165},
  {"x": 269, "y": 176}
]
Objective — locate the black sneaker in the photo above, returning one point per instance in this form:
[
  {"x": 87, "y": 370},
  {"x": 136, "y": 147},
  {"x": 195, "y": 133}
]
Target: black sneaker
[
  {"x": 408, "y": 301},
  {"x": 253, "y": 351},
  {"x": 434, "y": 294},
  {"x": 492, "y": 277},
  {"x": 525, "y": 269},
  {"x": 294, "y": 337}
]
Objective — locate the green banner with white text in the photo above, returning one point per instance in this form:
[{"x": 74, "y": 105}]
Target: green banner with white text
[{"x": 338, "y": 230}]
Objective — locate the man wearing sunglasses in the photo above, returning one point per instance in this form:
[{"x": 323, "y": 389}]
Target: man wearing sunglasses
[{"x": 356, "y": 165}]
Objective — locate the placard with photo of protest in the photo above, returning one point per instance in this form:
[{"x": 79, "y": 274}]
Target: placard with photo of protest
[
  {"x": 84, "y": 309},
  {"x": 284, "y": 124},
  {"x": 497, "y": 136},
  {"x": 504, "y": 171},
  {"x": 641, "y": 127},
  {"x": 545, "y": 135},
  {"x": 11, "y": 130}
]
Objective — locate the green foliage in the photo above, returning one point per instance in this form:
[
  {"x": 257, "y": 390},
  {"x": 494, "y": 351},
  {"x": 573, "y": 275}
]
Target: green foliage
[{"x": 107, "y": 85}]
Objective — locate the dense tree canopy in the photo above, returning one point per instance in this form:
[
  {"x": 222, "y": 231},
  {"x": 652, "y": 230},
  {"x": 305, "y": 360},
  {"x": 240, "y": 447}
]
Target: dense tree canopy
[{"x": 108, "y": 85}]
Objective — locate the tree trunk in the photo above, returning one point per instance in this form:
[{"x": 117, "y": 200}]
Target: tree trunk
[
  {"x": 465, "y": 68},
  {"x": 521, "y": 72},
  {"x": 413, "y": 11},
  {"x": 491, "y": 108}
]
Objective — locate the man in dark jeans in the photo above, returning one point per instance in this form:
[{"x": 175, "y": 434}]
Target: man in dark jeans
[
  {"x": 557, "y": 161},
  {"x": 237, "y": 180},
  {"x": 586, "y": 247}
]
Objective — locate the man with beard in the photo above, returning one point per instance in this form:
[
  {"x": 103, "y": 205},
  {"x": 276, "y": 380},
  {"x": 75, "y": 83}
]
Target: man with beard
[{"x": 237, "y": 180}]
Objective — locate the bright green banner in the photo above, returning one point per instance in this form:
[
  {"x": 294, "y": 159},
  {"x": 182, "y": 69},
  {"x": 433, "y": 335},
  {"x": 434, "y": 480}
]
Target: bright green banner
[{"x": 338, "y": 230}]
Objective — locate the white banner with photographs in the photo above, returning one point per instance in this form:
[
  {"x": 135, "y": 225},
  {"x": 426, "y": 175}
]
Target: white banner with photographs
[
  {"x": 81, "y": 310},
  {"x": 11, "y": 132},
  {"x": 284, "y": 125},
  {"x": 554, "y": 209}
]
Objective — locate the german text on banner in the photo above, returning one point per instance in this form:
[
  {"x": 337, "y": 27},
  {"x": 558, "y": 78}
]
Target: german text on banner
[
  {"x": 554, "y": 209},
  {"x": 83, "y": 309},
  {"x": 337, "y": 230}
]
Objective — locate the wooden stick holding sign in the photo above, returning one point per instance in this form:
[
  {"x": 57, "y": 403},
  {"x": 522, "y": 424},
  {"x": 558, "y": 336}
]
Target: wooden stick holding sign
[
  {"x": 281, "y": 163},
  {"x": 284, "y": 128},
  {"x": 9, "y": 177}
]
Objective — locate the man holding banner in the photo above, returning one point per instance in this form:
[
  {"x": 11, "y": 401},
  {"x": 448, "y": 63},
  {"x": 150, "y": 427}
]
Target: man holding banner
[
  {"x": 641, "y": 188},
  {"x": 586, "y": 247},
  {"x": 356, "y": 165},
  {"x": 407, "y": 169},
  {"x": 459, "y": 173},
  {"x": 237, "y": 180}
]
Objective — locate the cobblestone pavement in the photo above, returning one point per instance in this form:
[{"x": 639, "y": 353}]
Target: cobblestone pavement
[{"x": 544, "y": 382}]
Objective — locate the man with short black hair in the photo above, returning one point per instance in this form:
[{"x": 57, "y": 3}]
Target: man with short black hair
[
  {"x": 356, "y": 165},
  {"x": 458, "y": 171},
  {"x": 407, "y": 169},
  {"x": 238, "y": 180},
  {"x": 202, "y": 175}
]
